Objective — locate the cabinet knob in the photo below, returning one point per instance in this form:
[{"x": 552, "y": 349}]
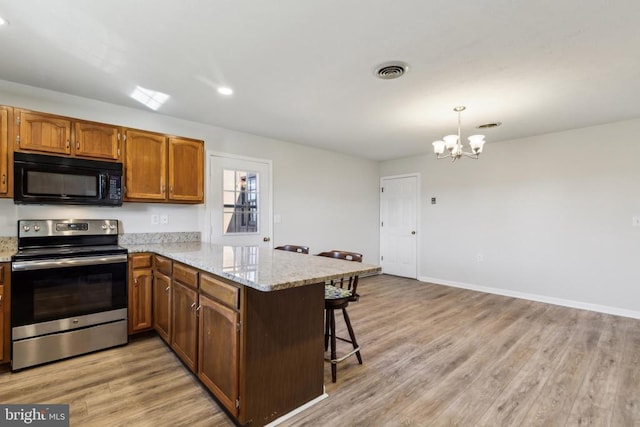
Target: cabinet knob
[
  {"x": 4, "y": 178},
  {"x": 77, "y": 145},
  {"x": 167, "y": 289},
  {"x": 135, "y": 281},
  {"x": 68, "y": 145}
]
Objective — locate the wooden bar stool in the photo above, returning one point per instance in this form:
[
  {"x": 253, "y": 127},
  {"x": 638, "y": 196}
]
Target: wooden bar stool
[
  {"x": 294, "y": 248},
  {"x": 337, "y": 296}
]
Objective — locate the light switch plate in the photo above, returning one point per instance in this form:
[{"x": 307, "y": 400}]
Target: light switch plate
[{"x": 164, "y": 219}]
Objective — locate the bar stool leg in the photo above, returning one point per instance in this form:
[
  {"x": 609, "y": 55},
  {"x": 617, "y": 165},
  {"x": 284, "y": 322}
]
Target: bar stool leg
[
  {"x": 351, "y": 334},
  {"x": 327, "y": 320},
  {"x": 334, "y": 366}
]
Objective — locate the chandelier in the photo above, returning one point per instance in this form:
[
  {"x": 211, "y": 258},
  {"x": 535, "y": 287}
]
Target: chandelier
[{"x": 453, "y": 144}]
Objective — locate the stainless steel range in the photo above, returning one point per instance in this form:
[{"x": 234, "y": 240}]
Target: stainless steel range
[{"x": 69, "y": 290}]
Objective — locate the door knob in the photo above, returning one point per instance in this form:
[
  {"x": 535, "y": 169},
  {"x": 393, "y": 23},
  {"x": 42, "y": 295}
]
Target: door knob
[
  {"x": 413, "y": 232},
  {"x": 266, "y": 239}
]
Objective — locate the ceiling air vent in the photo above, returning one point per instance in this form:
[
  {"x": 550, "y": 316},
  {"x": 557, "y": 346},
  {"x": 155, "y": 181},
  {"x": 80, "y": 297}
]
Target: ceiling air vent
[{"x": 391, "y": 70}]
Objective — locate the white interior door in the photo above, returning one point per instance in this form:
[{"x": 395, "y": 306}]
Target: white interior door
[
  {"x": 239, "y": 202},
  {"x": 398, "y": 225}
]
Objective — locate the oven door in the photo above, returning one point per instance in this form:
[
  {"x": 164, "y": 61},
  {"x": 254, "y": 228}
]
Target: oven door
[{"x": 46, "y": 291}]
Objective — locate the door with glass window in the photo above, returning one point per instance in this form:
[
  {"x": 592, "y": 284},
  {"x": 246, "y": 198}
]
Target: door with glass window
[{"x": 239, "y": 207}]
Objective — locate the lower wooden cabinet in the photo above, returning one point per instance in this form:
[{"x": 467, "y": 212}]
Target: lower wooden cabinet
[
  {"x": 162, "y": 305},
  {"x": 5, "y": 315},
  {"x": 219, "y": 352},
  {"x": 140, "y": 287},
  {"x": 184, "y": 324}
]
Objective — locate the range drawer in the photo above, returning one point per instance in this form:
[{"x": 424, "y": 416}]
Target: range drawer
[{"x": 221, "y": 291}]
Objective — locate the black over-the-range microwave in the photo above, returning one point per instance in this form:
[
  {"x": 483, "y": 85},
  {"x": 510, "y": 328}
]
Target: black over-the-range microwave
[{"x": 40, "y": 179}]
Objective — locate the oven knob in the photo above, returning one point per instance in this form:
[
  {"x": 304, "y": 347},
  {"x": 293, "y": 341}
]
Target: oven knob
[
  {"x": 26, "y": 227},
  {"x": 112, "y": 226},
  {"x": 104, "y": 226},
  {"x": 36, "y": 228}
]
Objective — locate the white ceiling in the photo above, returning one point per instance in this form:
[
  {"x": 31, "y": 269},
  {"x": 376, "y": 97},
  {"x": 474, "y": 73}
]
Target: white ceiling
[{"x": 302, "y": 70}]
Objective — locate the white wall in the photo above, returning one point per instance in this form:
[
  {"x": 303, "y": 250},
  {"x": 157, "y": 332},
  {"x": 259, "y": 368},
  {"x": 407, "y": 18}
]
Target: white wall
[
  {"x": 326, "y": 200},
  {"x": 550, "y": 216}
]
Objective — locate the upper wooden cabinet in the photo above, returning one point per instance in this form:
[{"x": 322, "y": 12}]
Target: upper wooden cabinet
[
  {"x": 5, "y": 153},
  {"x": 145, "y": 164},
  {"x": 42, "y": 132},
  {"x": 152, "y": 160},
  {"x": 186, "y": 170},
  {"x": 49, "y": 134},
  {"x": 97, "y": 140}
]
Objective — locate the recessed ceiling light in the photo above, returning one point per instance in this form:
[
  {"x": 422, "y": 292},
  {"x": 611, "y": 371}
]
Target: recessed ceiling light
[{"x": 225, "y": 91}]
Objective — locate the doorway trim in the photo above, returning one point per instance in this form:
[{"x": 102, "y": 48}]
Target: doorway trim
[
  {"x": 208, "y": 204},
  {"x": 418, "y": 216}
]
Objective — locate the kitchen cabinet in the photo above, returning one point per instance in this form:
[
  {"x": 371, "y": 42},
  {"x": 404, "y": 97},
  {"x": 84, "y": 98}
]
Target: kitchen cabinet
[
  {"x": 145, "y": 164},
  {"x": 186, "y": 170},
  {"x": 6, "y": 160},
  {"x": 184, "y": 321},
  {"x": 140, "y": 288},
  {"x": 219, "y": 341},
  {"x": 96, "y": 140},
  {"x": 162, "y": 297},
  {"x": 5, "y": 315},
  {"x": 43, "y": 133},
  {"x": 161, "y": 169},
  {"x": 50, "y": 134}
]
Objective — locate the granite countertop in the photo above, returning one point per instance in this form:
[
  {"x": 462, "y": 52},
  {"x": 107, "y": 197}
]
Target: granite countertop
[
  {"x": 263, "y": 269},
  {"x": 5, "y": 255}
]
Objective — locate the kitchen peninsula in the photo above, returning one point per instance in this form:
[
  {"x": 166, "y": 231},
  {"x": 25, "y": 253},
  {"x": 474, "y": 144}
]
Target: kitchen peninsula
[{"x": 247, "y": 321}]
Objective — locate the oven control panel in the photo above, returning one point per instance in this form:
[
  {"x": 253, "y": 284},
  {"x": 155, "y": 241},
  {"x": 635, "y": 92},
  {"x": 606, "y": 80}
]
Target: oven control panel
[{"x": 66, "y": 227}]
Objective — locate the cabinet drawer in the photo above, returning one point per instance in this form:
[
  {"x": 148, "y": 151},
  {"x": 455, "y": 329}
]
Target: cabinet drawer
[
  {"x": 140, "y": 261},
  {"x": 185, "y": 275},
  {"x": 163, "y": 265},
  {"x": 221, "y": 291}
]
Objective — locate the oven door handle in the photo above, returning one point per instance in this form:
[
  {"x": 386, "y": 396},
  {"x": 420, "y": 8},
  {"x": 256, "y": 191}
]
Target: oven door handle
[{"x": 67, "y": 262}]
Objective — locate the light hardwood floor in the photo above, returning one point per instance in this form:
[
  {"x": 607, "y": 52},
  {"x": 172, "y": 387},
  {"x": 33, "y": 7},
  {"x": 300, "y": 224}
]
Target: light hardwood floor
[{"x": 433, "y": 355}]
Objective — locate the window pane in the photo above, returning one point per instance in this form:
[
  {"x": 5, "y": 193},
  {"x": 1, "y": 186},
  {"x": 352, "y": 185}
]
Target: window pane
[{"x": 240, "y": 202}]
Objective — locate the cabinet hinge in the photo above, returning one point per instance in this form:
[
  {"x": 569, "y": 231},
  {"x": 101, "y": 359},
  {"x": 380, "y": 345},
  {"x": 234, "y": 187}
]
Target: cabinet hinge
[
  {"x": 382, "y": 189},
  {"x": 238, "y": 403},
  {"x": 381, "y": 223},
  {"x": 18, "y": 139},
  {"x": 18, "y": 120},
  {"x": 381, "y": 258},
  {"x": 118, "y": 136},
  {"x": 239, "y": 326}
]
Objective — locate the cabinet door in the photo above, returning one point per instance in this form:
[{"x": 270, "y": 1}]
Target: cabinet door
[
  {"x": 145, "y": 166},
  {"x": 44, "y": 133},
  {"x": 5, "y": 312},
  {"x": 4, "y": 150},
  {"x": 184, "y": 324},
  {"x": 162, "y": 305},
  {"x": 140, "y": 300},
  {"x": 186, "y": 170},
  {"x": 219, "y": 351},
  {"x": 2, "y": 304},
  {"x": 97, "y": 140}
]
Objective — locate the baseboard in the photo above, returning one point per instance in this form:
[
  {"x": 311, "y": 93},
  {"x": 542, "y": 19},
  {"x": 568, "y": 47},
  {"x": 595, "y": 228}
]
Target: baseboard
[
  {"x": 296, "y": 411},
  {"x": 535, "y": 297}
]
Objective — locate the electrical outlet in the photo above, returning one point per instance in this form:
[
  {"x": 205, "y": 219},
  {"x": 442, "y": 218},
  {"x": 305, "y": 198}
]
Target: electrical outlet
[
  {"x": 155, "y": 219},
  {"x": 164, "y": 219}
]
